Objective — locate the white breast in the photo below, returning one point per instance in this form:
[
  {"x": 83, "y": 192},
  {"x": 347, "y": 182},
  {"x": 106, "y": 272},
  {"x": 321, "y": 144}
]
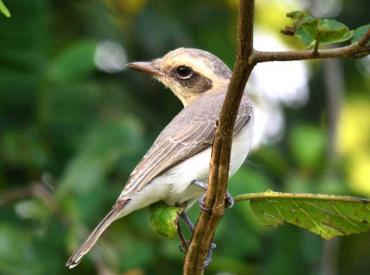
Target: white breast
[{"x": 197, "y": 168}]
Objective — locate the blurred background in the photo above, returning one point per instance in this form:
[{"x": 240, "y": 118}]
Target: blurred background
[{"x": 74, "y": 122}]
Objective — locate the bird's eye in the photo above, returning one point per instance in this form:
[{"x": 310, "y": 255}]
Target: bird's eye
[{"x": 184, "y": 72}]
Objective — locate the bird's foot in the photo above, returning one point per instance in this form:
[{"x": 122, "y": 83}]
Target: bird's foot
[
  {"x": 184, "y": 216},
  {"x": 185, "y": 243},
  {"x": 202, "y": 204},
  {"x": 229, "y": 200},
  {"x": 200, "y": 184},
  {"x": 184, "y": 246},
  {"x": 203, "y": 186},
  {"x": 208, "y": 259}
]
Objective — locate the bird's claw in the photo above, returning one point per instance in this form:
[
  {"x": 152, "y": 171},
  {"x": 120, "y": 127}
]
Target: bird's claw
[
  {"x": 229, "y": 202},
  {"x": 184, "y": 246},
  {"x": 202, "y": 203},
  {"x": 200, "y": 184},
  {"x": 208, "y": 259}
]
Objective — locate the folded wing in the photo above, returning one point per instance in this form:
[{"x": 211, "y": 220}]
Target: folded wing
[{"x": 190, "y": 132}]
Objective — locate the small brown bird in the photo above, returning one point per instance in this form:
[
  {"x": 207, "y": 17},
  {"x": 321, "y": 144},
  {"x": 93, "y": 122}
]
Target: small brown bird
[{"x": 179, "y": 158}]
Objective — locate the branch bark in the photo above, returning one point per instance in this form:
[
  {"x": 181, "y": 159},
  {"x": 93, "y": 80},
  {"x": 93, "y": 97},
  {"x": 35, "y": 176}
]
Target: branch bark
[
  {"x": 246, "y": 59},
  {"x": 219, "y": 167}
]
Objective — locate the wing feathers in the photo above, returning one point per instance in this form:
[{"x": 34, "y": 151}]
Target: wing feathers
[{"x": 190, "y": 132}]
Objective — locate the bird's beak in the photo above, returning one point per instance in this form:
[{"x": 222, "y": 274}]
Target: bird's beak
[{"x": 145, "y": 67}]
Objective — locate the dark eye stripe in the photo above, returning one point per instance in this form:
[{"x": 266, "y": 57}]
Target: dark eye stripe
[{"x": 192, "y": 80}]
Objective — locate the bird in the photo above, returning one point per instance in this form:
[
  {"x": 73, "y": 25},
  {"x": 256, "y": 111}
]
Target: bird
[{"x": 176, "y": 165}]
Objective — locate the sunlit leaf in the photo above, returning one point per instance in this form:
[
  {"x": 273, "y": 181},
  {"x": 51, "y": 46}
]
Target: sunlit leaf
[
  {"x": 300, "y": 17},
  {"x": 312, "y": 30},
  {"x": 359, "y": 33},
  {"x": 332, "y": 31},
  {"x": 3, "y": 9},
  {"x": 325, "y": 215},
  {"x": 307, "y": 34},
  {"x": 164, "y": 219},
  {"x": 304, "y": 26}
]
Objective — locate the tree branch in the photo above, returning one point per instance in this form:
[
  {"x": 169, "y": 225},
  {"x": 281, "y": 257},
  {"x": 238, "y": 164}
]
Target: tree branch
[
  {"x": 219, "y": 167},
  {"x": 246, "y": 59},
  {"x": 358, "y": 49},
  {"x": 36, "y": 190}
]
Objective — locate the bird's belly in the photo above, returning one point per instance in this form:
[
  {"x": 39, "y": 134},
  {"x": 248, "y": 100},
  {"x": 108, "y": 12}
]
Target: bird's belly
[
  {"x": 241, "y": 146},
  {"x": 197, "y": 168}
]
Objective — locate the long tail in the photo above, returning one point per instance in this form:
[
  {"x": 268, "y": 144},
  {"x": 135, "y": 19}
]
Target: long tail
[{"x": 112, "y": 215}]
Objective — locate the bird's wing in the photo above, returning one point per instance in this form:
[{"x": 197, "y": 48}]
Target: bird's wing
[{"x": 190, "y": 132}]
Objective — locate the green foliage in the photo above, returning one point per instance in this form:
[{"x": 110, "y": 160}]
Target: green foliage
[
  {"x": 312, "y": 31},
  {"x": 326, "y": 215},
  {"x": 307, "y": 144},
  {"x": 86, "y": 129},
  {"x": 65, "y": 68},
  {"x": 164, "y": 219},
  {"x": 16, "y": 252},
  {"x": 103, "y": 147},
  {"x": 3, "y": 9},
  {"x": 359, "y": 33}
]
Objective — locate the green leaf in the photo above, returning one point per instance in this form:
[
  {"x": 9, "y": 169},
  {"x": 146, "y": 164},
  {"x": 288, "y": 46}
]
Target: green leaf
[
  {"x": 304, "y": 27},
  {"x": 312, "y": 30},
  {"x": 307, "y": 34},
  {"x": 300, "y": 17},
  {"x": 331, "y": 31},
  {"x": 325, "y": 215},
  {"x": 164, "y": 219},
  {"x": 4, "y": 10},
  {"x": 359, "y": 33}
]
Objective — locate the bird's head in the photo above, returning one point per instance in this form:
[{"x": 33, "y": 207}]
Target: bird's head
[{"x": 187, "y": 72}]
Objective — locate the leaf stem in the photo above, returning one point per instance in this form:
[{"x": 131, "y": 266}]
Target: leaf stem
[{"x": 271, "y": 195}]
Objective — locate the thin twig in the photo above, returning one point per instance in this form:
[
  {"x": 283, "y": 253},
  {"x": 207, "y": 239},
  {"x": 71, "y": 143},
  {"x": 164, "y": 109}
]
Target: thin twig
[
  {"x": 219, "y": 167},
  {"x": 358, "y": 49},
  {"x": 35, "y": 190},
  {"x": 16, "y": 194}
]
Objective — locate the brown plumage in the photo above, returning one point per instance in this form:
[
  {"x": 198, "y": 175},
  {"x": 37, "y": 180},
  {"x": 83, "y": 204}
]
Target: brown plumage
[{"x": 200, "y": 81}]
